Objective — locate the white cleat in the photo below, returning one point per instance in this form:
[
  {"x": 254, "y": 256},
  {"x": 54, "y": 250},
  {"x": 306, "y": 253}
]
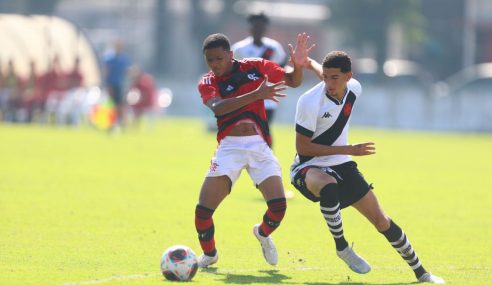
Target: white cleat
[
  {"x": 204, "y": 260},
  {"x": 429, "y": 278},
  {"x": 267, "y": 246},
  {"x": 354, "y": 261}
]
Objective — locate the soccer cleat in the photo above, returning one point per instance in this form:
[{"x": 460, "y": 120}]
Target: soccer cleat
[
  {"x": 354, "y": 261},
  {"x": 267, "y": 246},
  {"x": 428, "y": 277},
  {"x": 204, "y": 260}
]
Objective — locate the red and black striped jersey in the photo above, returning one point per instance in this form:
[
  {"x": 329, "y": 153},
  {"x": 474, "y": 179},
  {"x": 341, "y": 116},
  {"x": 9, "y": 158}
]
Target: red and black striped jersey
[{"x": 246, "y": 76}]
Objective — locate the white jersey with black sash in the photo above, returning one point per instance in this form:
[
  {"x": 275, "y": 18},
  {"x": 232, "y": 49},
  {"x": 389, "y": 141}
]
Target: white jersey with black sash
[{"x": 326, "y": 121}]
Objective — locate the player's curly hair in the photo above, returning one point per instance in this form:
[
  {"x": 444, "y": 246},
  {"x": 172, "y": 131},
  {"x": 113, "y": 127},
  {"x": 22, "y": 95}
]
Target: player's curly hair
[
  {"x": 216, "y": 40},
  {"x": 338, "y": 59},
  {"x": 258, "y": 17}
]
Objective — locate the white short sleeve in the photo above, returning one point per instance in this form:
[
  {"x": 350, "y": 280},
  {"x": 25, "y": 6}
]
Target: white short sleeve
[
  {"x": 307, "y": 110},
  {"x": 354, "y": 86}
]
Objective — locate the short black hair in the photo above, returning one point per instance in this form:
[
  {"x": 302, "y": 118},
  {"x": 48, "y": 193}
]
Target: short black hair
[
  {"x": 216, "y": 40},
  {"x": 338, "y": 59},
  {"x": 258, "y": 17}
]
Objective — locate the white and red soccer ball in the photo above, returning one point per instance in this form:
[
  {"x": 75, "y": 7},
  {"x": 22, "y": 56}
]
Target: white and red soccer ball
[{"x": 179, "y": 263}]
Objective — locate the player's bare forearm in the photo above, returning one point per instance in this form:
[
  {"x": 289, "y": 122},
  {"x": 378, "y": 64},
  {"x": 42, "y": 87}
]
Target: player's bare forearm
[
  {"x": 323, "y": 150},
  {"x": 264, "y": 92},
  {"x": 294, "y": 77},
  {"x": 304, "y": 146},
  {"x": 224, "y": 106},
  {"x": 315, "y": 67},
  {"x": 313, "y": 149}
]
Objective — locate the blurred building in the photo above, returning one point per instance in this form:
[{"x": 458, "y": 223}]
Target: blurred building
[{"x": 396, "y": 45}]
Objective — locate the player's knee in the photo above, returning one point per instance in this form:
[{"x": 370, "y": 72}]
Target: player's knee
[
  {"x": 318, "y": 182},
  {"x": 203, "y": 217}
]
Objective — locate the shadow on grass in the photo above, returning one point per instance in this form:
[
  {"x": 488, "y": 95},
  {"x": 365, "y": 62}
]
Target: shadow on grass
[
  {"x": 348, "y": 282},
  {"x": 274, "y": 277}
]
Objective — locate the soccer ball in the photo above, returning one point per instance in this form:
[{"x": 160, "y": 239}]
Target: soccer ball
[{"x": 179, "y": 263}]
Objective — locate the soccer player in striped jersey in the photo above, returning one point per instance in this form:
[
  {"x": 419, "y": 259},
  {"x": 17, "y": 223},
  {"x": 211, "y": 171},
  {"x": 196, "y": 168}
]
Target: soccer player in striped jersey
[
  {"x": 235, "y": 90},
  {"x": 323, "y": 170}
]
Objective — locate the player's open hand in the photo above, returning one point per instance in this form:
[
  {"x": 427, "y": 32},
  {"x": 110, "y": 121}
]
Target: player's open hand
[
  {"x": 361, "y": 149},
  {"x": 271, "y": 92},
  {"x": 299, "y": 54}
]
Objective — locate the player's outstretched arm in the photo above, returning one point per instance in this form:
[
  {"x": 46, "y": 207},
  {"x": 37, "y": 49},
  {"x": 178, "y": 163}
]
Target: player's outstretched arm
[
  {"x": 315, "y": 67},
  {"x": 298, "y": 57},
  {"x": 304, "y": 146}
]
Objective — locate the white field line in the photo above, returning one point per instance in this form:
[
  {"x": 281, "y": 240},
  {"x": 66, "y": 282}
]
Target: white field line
[{"x": 113, "y": 278}]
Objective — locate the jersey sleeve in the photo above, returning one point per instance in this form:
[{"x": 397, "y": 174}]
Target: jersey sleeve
[
  {"x": 307, "y": 111},
  {"x": 355, "y": 87},
  {"x": 207, "y": 89},
  {"x": 269, "y": 68}
]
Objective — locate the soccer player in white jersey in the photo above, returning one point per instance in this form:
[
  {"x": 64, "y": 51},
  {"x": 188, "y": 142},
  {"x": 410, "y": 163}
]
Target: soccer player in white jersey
[
  {"x": 323, "y": 170},
  {"x": 260, "y": 46}
]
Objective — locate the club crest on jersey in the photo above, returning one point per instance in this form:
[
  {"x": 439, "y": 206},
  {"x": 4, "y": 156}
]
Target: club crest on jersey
[
  {"x": 347, "y": 109},
  {"x": 253, "y": 76},
  {"x": 213, "y": 166}
]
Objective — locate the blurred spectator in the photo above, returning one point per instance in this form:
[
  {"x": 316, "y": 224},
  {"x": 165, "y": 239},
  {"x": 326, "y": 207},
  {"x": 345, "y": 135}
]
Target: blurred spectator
[
  {"x": 31, "y": 95},
  {"x": 54, "y": 87},
  {"x": 75, "y": 78},
  {"x": 71, "y": 106},
  {"x": 116, "y": 65},
  {"x": 10, "y": 96},
  {"x": 2, "y": 92},
  {"x": 258, "y": 45},
  {"x": 142, "y": 96}
]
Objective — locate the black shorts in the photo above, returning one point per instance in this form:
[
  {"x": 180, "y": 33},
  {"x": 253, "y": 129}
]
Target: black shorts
[{"x": 350, "y": 181}]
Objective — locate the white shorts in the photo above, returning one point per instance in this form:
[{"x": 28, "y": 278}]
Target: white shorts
[{"x": 249, "y": 152}]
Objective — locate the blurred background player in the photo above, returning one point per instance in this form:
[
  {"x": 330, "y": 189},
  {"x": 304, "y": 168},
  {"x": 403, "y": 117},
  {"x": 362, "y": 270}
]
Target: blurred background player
[
  {"x": 116, "y": 64},
  {"x": 142, "y": 96},
  {"x": 257, "y": 45}
]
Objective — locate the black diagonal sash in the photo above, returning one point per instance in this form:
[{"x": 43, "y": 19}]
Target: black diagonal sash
[{"x": 329, "y": 136}]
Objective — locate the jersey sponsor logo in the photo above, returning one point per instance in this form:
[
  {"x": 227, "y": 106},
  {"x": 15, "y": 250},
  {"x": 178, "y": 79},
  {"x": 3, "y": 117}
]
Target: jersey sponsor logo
[{"x": 326, "y": 115}]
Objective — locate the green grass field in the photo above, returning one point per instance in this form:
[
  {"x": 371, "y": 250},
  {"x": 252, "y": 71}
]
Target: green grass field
[{"x": 78, "y": 206}]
